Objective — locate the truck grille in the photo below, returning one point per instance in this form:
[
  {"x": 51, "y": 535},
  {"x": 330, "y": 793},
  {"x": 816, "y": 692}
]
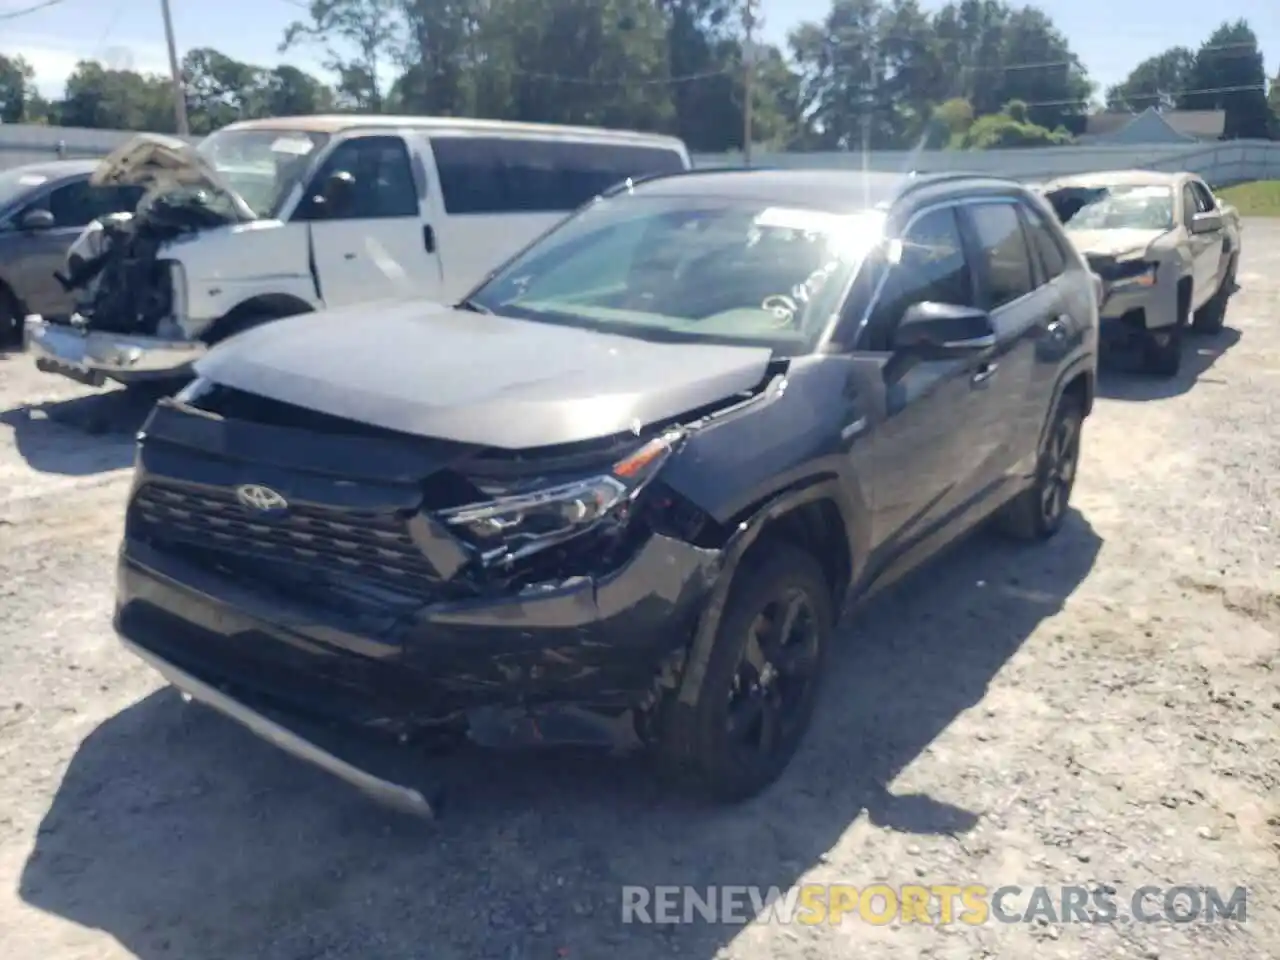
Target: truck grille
[{"x": 375, "y": 545}]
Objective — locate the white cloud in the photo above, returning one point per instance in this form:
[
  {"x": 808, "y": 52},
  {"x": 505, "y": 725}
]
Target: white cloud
[{"x": 53, "y": 58}]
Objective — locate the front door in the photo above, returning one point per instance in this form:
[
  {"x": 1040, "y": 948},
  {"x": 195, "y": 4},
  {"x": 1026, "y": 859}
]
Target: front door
[
  {"x": 919, "y": 449},
  {"x": 376, "y": 243},
  {"x": 1206, "y": 248}
]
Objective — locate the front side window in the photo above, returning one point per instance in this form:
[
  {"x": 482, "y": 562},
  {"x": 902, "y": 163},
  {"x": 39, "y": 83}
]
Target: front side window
[
  {"x": 262, "y": 166},
  {"x": 928, "y": 266},
  {"x": 1117, "y": 207},
  {"x": 382, "y": 179},
  {"x": 1004, "y": 261},
  {"x": 689, "y": 269}
]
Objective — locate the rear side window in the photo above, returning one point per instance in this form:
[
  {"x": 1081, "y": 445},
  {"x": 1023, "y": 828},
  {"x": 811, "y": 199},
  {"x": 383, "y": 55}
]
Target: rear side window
[
  {"x": 1052, "y": 259},
  {"x": 505, "y": 175},
  {"x": 1004, "y": 259}
]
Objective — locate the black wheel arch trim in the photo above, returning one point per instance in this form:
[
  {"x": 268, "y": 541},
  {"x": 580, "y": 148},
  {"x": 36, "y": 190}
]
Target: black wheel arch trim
[
  {"x": 746, "y": 535},
  {"x": 1084, "y": 365},
  {"x": 273, "y": 305}
]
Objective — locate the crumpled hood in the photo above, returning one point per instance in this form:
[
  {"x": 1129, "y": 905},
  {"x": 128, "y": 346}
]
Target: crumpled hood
[
  {"x": 430, "y": 370},
  {"x": 161, "y": 164},
  {"x": 1114, "y": 243}
]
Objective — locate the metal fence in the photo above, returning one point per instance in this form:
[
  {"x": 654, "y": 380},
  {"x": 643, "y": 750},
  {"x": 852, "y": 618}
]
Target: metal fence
[{"x": 1220, "y": 163}]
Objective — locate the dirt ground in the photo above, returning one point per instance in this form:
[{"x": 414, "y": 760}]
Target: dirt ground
[{"x": 1101, "y": 711}]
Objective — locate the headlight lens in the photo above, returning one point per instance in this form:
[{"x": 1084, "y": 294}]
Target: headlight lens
[
  {"x": 1136, "y": 275},
  {"x": 508, "y": 528}
]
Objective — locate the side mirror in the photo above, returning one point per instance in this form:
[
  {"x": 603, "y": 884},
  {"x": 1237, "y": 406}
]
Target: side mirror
[
  {"x": 336, "y": 194},
  {"x": 1207, "y": 222},
  {"x": 941, "y": 330},
  {"x": 37, "y": 219}
]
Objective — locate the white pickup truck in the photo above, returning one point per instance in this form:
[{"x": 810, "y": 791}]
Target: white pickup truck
[{"x": 1165, "y": 247}]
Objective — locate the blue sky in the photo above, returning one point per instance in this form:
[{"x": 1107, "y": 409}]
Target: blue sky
[{"x": 1110, "y": 35}]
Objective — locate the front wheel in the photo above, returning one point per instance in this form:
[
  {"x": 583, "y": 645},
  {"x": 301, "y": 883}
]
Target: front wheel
[
  {"x": 758, "y": 693},
  {"x": 1211, "y": 317}
]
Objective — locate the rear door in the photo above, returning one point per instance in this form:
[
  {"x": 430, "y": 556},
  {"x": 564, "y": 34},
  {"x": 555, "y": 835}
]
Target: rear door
[
  {"x": 1022, "y": 308},
  {"x": 74, "y": 204},
  {"x": 381, "y": 244}
]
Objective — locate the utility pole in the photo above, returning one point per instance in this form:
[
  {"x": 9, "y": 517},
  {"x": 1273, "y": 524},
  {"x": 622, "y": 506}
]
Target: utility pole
[
  {"x": 748, "y": 76},
  {"x": 175, "y": 73}
]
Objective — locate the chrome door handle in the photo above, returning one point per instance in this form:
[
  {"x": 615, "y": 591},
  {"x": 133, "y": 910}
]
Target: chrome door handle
[{"x": 984, "y": 373}]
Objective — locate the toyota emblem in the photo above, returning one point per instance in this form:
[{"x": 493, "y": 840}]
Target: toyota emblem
[{"x": 260, "y": 498}]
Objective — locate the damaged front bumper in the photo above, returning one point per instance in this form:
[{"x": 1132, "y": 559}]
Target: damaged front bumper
[
  {"x": 567, "y": 663},
  {"x": 93, "y": 357},
  {"x": 299, "y": 739}
]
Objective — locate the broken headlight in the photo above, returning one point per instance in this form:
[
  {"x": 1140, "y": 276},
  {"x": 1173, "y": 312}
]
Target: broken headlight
[{"x": 510, "y": 527}]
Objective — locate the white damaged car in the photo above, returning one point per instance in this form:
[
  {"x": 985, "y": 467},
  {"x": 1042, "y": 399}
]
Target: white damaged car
[{"x": 1165, "y": 247}]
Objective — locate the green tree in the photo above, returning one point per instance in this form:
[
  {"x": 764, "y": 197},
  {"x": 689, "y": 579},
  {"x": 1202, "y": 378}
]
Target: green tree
[
  {"x": 290, "y": 92},
  {"x": 116, "y": 99},
  {"x": 17, "y": 90},
  {"x": 1155, "y": 82},
  {"x": 360, "y": 39},
  {"x": 596, "y": 62},
  {"x": 220, "y": 89},
  {"x": 1011, "y": 127},
  {"x": 1228, "y": 75}
]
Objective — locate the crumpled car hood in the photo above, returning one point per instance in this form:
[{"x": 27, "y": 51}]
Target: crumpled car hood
[
  {"x": 433, "y": 371},
  {"x": 1114, "y": 243},
  {"x": 162, "y": 164}
]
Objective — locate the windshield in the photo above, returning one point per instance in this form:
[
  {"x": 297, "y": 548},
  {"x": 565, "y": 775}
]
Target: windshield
[
  {"x": 17, "y": 183},
  {"x": 702, "y": 270},
  {"x": 1114, "y": 208},
  {"x": 262, "y": 166}
]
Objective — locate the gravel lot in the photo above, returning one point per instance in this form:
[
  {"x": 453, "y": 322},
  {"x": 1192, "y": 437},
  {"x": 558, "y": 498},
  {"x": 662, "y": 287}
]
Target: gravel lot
[{"x": 1103, "y": 710}]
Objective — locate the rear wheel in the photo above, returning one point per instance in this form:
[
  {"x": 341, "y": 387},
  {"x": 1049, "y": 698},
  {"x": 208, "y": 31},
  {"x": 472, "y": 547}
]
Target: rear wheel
[
  {"x": 1039, "y": 511},
  {"x": 761, "y": 682},
  {"x": 10, "y": 319}
]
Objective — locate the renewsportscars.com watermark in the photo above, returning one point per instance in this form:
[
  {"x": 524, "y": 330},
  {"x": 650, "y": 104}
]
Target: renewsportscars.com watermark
[{"x": 972, "y": 904}]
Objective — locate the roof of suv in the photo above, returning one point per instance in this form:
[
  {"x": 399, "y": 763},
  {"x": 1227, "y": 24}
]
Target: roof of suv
[{"x": 827, "y": 189}]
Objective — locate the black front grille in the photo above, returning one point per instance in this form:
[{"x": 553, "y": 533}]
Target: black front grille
[{"x": 374, "y": 545}]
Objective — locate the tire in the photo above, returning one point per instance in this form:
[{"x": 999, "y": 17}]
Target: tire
[
  {"x": 1030, "y": 516},
  {"x": 10, "y": 320},
  {"x": 699, "y": 742},
  {"x": 1213, "y": 315},
  {"x": 1163, "y": 360}
]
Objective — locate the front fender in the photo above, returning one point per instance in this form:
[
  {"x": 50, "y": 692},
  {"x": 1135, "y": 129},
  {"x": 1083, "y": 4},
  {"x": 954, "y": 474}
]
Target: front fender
[{"x": 742, "y": 539}]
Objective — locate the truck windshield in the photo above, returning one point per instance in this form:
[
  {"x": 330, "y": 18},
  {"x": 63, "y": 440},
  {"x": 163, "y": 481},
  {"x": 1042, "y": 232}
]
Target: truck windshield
[
  {"x": 1120, "y": 207},
  {"x": 262, "y": 166},
  {"x": 691, "y": 269}
]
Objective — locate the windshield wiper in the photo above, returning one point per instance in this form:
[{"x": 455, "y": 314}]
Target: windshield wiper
[{"x": 471, "y": 306}]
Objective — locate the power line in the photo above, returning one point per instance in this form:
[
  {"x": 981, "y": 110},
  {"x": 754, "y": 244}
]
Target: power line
[{"x": 34, "y": 8}]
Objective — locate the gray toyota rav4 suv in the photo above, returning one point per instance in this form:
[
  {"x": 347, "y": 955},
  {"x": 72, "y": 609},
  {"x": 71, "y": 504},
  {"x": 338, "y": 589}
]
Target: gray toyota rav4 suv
[{"x": 620, "y": 493}]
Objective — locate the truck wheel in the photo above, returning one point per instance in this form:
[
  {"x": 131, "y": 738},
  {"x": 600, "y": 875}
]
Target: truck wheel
[
  {"x": 1210, "y": 318},
  {"x": 1039, "y": 511},
  {"x": 1162, "y": 351},
  {"x": 762, "y": 679}
]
